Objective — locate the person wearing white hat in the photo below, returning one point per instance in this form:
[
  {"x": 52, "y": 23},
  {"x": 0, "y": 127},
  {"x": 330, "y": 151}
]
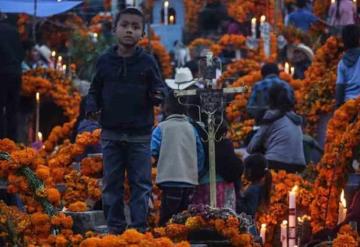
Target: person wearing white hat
[
  {"x": 302, "y": 58},
  {"x": 40, "y": 57},
  {"x": 183, "y": 79}
]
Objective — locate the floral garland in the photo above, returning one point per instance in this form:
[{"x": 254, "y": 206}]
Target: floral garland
[
  {"x": 203, "y": 217},
  {"x": 91, "y": 167},
  {"x": 243, "y": 66},
  {"x": 20, "y": 229},
  {"x": 192, "y": 9},
  {"x": 130, "y": 238},
  {"x": 347, "y": 236},
  {"x": 316, "y": 96},
  {"x": 233, "y": 40},
  {"x": 279, "y": 203},
  {"x": 343, "y": 135},
  {"x": 61, "y": 91},
  {"x": 200, "y": 42},
  {"x": 161, "y": 53}
]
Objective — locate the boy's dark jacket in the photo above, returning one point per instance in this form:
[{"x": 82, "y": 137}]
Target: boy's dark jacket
[{"x": 122, "y": 90}]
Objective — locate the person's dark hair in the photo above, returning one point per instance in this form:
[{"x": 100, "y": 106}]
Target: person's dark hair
[
  {"x": 351, "y": 36},
  {"x": 301, "y": 3},
  {"x": 269, "y": 68},
  {"x": 172, "y": 105},
  {"x": 129, "y": 11},
  {"x": 279, "y": 98},
  {"x": 256, "y": 168}
]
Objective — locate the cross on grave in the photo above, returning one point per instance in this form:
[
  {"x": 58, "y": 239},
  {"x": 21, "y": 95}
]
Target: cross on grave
[{"x": 212, "y": 101}]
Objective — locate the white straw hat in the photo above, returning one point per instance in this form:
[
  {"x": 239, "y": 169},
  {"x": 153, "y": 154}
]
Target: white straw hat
[{"x": 44, "y": 51}]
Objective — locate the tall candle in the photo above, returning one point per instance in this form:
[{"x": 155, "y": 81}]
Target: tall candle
[
  {"x": 287, "y": 68},
  {"x": 263, "y": 233},
  {"x": 342, "y": 208},
  {"x": 292, "y": 216},
  {"x": 53, "y": 59},
  {"x": 283, "y": 233},
  {"x": 166, "y": 12},
  {"x": 59, "y": 62},
  {"x": 40, "y": 136},
  {"x": 253, "y": 27},
  {"x": 37, "y": 115}
]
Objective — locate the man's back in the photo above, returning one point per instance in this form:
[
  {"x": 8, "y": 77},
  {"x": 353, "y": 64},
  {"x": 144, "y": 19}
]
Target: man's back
[
  {"x": 302, "y": 19},
  {"x": 259, "y": 99}
]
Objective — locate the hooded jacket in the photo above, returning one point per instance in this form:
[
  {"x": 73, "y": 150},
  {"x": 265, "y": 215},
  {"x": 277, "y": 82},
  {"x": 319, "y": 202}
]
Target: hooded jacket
[
  {"x": 280, "y": 137},
  {"x": 122, "y": 89},
  {"x": 348, "y": 76}
]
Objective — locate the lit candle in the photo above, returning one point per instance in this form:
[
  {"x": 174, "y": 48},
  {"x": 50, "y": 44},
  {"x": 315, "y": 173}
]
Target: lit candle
[
  {"x": 59, "y": 62},
  {"x": 263, "y": 233},
  {"x": 287, "y": 68},
  {"x": 342, "y": 208},
  {"x": 37, "y": 116},
  {"x": 332, "y": 1},
  {"x": 171, "y": 19},
  {"x": 166, "y": 12},
  {"x": 262, "y": 20},
  {"x": 292, "y": 71},
  {"x": 292, "y": 216},
  {"x": 283, "y": 233},
  {"x": 40, "y": 136},
  {"x": 95, "y": 35},
  {"x": 253, "y": 27}
]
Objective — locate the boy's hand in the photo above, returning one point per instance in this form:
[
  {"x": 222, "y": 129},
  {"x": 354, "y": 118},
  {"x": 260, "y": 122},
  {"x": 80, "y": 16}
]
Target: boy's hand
[{"x": 94, "y": 116}]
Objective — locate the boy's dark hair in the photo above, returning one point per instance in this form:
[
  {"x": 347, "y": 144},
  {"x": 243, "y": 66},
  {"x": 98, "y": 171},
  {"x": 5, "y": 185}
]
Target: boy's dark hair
[
  {"x": 172, "y": 105},
  {"x": 269, "y": 68},
  {"x": 256, "y": 168},
  {"x": 279, "y": 98},
  {"x": 129, "y": 11},
  {"x": 301, "y": 3},
  {"x": 351, "y": 36}
]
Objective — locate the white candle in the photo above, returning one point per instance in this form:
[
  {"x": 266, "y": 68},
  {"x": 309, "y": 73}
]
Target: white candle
[
  {"x": 342, "y": 208},
  {"x": 37, "y": 115},
  {"x": 292, "y": 71},
  {"x": 263, "y": 233},
  {"x": 237, "y": 54},
  {"x": 253, "y": 27},
  {"x": 40, "y": 136},
  {"x": 283, "y": 233},
  {"x": 171, "y": 19},
  {"x": 262, "y": 20},
  {"x": 287, "y": 68},
  {"x": 95, "y": 37},
  {"x": 292, "y": 216},
  {"x": 59, "y": 62},
  {"x": 166, "y": 12}
]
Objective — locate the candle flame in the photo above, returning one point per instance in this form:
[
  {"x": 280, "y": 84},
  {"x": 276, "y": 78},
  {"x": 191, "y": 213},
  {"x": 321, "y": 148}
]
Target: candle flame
[
  {"x": 37, "y": 96},
  {"x": 60, "y": 58},
  {"x": 253, "y": 21},
  {"x": 95, "y": 35},
  {"x": 64, "y": 67},
  {"x": 166, "y": 4},
  {"x": 53, "y": 53},
  {"x": 294, "y": 189},
  {"x": 342, "y": 199},
  {"x": 263, "y": 226},
  {"x": 262, "y": 18},
  {"x": 40, "y": 136},
  {"x": 284, "y": 222},
  {"x": 172, "y": 18}
]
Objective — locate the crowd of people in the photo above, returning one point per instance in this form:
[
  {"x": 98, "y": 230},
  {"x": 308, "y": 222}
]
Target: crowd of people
[{"x": 128, "y": 83}]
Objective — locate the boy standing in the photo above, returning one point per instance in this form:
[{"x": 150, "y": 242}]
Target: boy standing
[
  {"x": 126, "y": 86},
  {"x": 177, "y": 147}
]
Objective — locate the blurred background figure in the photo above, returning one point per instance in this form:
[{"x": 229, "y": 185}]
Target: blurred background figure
[{"x": 11, "y": 55}]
